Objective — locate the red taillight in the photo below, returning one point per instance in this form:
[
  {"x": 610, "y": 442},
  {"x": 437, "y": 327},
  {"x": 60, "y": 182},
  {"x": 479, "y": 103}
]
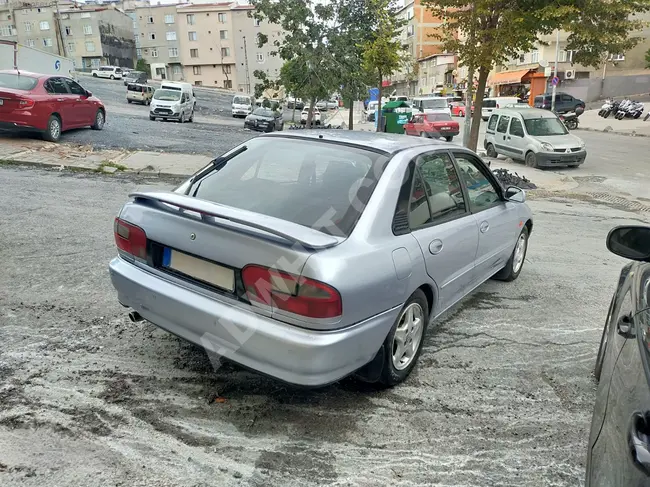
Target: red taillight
[
  {"x": 288, "y": 292},
  {"x": 26, "y": 103},
  {"x": 497, "y": 105},
  {"x": 130, "y": 239}
]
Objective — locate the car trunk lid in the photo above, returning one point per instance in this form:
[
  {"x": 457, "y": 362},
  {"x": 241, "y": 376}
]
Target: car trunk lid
[{"x": 11, "y": 100}]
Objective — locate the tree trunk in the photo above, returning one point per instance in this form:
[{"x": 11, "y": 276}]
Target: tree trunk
[
  {"x": 468, "y": 105},
  {"x": 351, "y": 114},
  {"x": 483, "y": 73},
  {"x": 378, "y": 116},
  {"x": 310, "y": 115}
]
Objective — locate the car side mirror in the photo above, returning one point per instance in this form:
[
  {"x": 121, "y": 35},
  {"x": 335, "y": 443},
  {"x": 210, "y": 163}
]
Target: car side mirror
[
  {"x": 88, "y": 94},
  {"x": 630, "y": 241},
  {"x": 513, "y": 193}
]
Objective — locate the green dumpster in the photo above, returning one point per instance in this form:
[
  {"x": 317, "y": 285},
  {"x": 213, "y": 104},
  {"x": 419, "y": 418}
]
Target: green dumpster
[{"x": 396, "y": 114}]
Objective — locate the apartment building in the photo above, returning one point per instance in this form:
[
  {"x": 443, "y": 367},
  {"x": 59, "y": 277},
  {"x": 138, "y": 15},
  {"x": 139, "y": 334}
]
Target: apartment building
[
  {"x": 90, "y": 36},
  {"x": 158, "y": 39},
  {"x": 437, "y": 74}
]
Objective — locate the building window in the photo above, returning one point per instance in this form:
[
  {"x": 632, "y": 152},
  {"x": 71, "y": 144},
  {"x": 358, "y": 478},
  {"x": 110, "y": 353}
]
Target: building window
[
  {"x": 222, "y": 18},
  {"x": 47, "y": 42},
  {"x": 90, "y": 46},
  {"x": 150, "y": 20},
  {"x": 562, "y": 56},
  {"x": 534, "y": 56},
  {"x": 6, "y": 31},
  {"x": 154, "y": 52},
  {"x": 227, "y": 69},
  {"x": 223, "y": 34},
  {"x": 190, "y": 19},
  {"x": 410, "y": 30},
  {"x": 41, "y": 10},
  {"x": 30, "y": 42},
  {"x": 522, "y": 59},
  {"x": 173, "y": 52},
  {"x": 138, "y": 52},
  {"x": 196, "y": 69},
  {"x": 198, "y": 83},
  {"x": 28, "y": 26},
  {"x": 177, "y": 69},
  {"x": 88, "y": 30},
  {"x": 44, "y": 25},
  {"x": 71, "y": 47},
  {"x": 85, "y": 15},
  {"x": 68, "y": 30},
  {"x": 192, "y": 36},
  {"x": 260, "y": 57},
  {"x": 169, "y": 19},
  {"x": 225, "y": 51},
  {"x": 152, "y": 36},
  {"x": 257, "y": 22},
  {"x": 617, "y": 57},
  {"x": 227, "y": 84},
  {"x": 171, "y": 36},
  {"x": 194, "y": 53}
]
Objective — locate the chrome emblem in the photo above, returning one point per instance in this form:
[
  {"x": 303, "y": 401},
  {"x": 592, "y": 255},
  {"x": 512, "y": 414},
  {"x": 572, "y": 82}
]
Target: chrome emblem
[{"x": 192, "y": 236}]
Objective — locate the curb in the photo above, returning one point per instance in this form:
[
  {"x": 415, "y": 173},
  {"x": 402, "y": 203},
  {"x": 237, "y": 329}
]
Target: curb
[{"x": 605, "y": 131}]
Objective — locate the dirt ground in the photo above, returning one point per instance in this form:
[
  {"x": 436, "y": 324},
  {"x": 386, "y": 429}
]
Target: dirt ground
[{"x": 502, "y": 395}]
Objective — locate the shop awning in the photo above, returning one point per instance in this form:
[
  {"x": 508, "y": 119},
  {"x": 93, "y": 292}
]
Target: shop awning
[{"x": 508, "y": 77}]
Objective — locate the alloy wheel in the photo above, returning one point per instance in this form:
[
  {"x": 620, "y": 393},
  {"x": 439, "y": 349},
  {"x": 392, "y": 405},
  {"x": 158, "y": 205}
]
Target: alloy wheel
[
  {"x": 520, "y": 253},
  {"x": 408, "y": 336}
]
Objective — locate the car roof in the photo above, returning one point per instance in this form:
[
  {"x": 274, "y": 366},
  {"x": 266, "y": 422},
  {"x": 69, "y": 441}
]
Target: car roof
[
  {"x": 526, "y": 112},
  {"x": 388, "y": 143},
  {"x": 30, "y": 74}
]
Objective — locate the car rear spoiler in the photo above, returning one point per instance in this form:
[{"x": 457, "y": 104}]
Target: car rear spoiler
[{"x": 292, "y": 232}]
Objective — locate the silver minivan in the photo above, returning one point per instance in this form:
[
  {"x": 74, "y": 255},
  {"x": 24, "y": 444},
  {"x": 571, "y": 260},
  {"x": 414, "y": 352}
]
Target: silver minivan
[{"x": 537, "y": 137}]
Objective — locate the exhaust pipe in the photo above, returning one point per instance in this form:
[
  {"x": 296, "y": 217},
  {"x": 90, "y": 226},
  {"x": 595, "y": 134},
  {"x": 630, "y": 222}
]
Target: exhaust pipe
[{"x": 134, "y": 316}]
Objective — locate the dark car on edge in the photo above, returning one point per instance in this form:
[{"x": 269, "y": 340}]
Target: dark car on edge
[
  {"x": 264, "y": 120},
  {"x": 619, "y": 443},
  {"x": 563, "y": 102}
]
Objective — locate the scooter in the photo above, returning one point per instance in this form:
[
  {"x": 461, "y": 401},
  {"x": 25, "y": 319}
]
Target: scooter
[{"x": 570, "y": 119}]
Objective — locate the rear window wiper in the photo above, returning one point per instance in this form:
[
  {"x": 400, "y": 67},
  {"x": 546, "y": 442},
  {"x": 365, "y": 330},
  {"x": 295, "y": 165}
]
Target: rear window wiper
[{"x": 215, "y": 165}]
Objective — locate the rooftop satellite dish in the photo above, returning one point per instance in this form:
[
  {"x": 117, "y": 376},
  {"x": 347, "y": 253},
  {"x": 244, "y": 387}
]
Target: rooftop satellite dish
[{"x": 543, "y": 63}]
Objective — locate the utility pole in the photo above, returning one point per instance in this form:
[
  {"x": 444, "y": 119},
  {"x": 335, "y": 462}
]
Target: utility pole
[
  {"x": 248, "y": 78},
  {"x": 555, "y": 74},
  {"x": 59, "y": 40}
]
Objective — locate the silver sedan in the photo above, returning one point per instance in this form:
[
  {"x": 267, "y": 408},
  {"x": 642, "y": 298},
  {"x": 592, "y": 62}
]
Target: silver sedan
[{"x": 313, "y": 256}]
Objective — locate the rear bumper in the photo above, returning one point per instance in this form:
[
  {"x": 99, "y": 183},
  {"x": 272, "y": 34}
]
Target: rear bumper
[
  {"x": 286, "y": 352},
  {"x": 19, "y": 123},
  {"x": 549, "y": 159}
]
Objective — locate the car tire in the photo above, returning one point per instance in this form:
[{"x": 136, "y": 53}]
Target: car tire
[
  {"x": 602, "y": 348},
  {"x": 191, "y": 119},
  {"x": 100, "y": 120},
  {"x": 449, "y": 138},
  {"x": 281, "y": 126},
  {"x": 53, "y": 131},
  {"x": 152, "y": 118},
  {"x": 112, "y": 77},
  {"x": 516, "y": 262},
  {"x": 423, "y": 135},
  {"x": 182, "y": 119},
  {"x": 393, "y": 371},
  {"x": 490, "y": 151},
  {"x": 129, "y": 101},
  {"x": 94, "y": 75},
  {"x": 531, "y": 159}
]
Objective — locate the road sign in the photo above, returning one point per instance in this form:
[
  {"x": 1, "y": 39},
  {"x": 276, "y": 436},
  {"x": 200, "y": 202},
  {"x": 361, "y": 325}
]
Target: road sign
[
  {"x": 57, "y": 65},
  {"x": 555, "y": 81}
]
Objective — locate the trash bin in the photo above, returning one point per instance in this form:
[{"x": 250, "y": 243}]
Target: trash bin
[{"x": 396, "y": 114}]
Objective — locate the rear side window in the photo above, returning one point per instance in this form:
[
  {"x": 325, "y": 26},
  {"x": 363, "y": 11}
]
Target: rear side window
[
  {"x": 489, "y": 103},
  {"x": 503, "y": 124},
  {"x": 492, "y": 124},
  {"x": 56, "y": 86},
  {"x": 319, "y": 185},
  {"x": 17, "y": 82}
]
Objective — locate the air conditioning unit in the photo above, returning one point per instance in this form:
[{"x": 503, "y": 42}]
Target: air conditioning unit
[{"x": 570, "y": 74}]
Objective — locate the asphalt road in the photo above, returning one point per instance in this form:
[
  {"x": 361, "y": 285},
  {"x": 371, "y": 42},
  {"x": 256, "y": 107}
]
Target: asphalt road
[{"x": 502, "y": 395}]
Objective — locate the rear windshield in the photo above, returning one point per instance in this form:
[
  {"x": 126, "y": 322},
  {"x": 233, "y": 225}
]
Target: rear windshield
[
  {"x": 264, "y": 112},
  {"x": 435, "y": 103},
  {"x": 320, "y": 185},
  {"x": 489, "y": 104},
  {"x": 135, "y": 74},
  {"x": 241, "y": 100},
  {"x": 167, "y": 95},
  {"x": 438, "y": 117},
  {"x": 541, "y": 127},
  {"x": 17, "y": 81},
  {"x": 135, "y": 88}
]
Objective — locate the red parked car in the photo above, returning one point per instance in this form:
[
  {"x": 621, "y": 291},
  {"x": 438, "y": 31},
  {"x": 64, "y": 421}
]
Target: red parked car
[
  {"x": 432, "y": 125},
  {"x": 458, "y": 108},
  {"x": 46, "y": 104}
]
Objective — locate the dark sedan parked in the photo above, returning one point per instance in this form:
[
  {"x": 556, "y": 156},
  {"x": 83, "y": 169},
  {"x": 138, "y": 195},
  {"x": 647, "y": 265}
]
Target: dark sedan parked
[
  {"x": 619, "y": 443},
  {"x": 264, "y": 120}
]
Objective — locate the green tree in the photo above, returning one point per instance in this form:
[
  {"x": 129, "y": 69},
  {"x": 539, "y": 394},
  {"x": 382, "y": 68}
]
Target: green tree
[
  {"x": 382, "y": 53},
  {"x": 647, "y": 59},
  {"x": 493, "y": 31},
  {"x": 143, "y": 66}
]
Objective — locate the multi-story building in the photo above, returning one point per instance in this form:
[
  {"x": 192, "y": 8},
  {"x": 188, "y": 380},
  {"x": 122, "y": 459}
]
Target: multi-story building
[
  {"x": 90, "y": 36},
  {"x": 437, "y": 74},
  {"x": 158, "y": 39}
]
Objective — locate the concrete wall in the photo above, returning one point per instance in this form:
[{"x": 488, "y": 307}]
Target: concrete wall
[
  {"x": 117, "y": 41},
  {"x": 593, "y": 89}
]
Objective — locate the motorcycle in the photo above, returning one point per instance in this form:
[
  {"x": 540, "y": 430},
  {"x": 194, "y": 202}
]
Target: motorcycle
[{"x": 570, "y": 119}]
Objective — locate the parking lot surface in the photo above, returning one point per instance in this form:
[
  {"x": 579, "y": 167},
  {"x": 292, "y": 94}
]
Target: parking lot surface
[{"x": 502, "y": 395}]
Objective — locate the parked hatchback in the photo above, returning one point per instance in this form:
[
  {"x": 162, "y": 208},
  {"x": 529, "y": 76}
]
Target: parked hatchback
[
  {"x": 46, "y": 104},
  {"x": 537, "y": 137},
  {"x": 312, "y": 256},
  {"x": 432, "y": 125},
  {"x": 619, "y": 442},
  {"x": 135, "y": 77},
  {"x": 139, "y": 93},
  {"x": 111, "y": 72},
  {"x": 563, "y": 102}
]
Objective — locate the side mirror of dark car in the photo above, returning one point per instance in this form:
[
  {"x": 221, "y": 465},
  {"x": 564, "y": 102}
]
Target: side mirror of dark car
[
  {"x": 631, "y": 242},
  {"x": 88, "y": 94},
  {"x": 518, "y": 195}
]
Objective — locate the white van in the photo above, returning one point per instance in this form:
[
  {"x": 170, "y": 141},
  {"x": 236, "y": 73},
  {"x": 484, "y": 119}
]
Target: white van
[
  {"x": 242, "y": 105},
  {"x": 491, "y": 104},
  {"x": 180, "y": 86},
  {"x": 171, "y": 104},
  {"x": 111, "y": 72},
  {"x": 537, "y": 137},
  {"x": 431, "y": 104}
]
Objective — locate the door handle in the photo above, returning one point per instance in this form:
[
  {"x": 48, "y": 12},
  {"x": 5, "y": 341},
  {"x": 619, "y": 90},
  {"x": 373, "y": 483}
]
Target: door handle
[
  {"x": 59, "y": 99},
  {"x": 435, "y": 247},
  {"x": 508, "y": 137},
  {"x": 485, "y": 226},
  {"x": 638, "y": 441}
]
